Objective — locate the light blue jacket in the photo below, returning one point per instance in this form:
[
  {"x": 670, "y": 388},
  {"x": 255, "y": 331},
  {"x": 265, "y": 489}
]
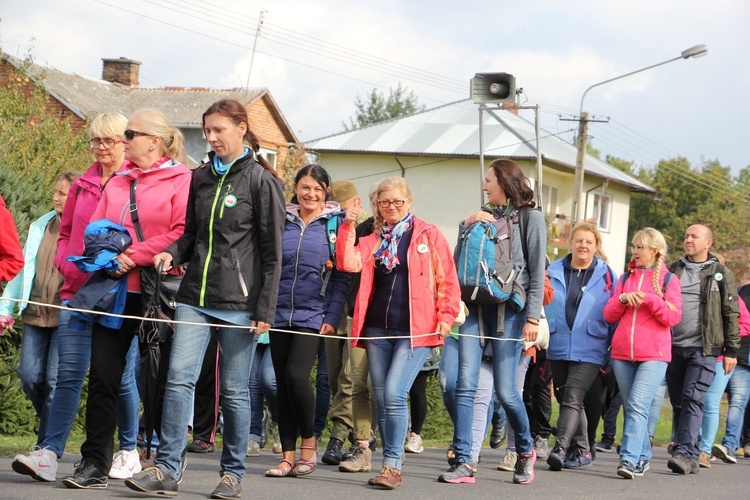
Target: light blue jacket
[
  {"x": 590, "y": 337},
  {"x": 20, "y": 287}
]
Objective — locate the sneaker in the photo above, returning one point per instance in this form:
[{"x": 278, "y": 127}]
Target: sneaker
[
  {"x": 541, "y": 446},
  {"x": 276, "y": 440},
  {"x": 359, "y": 461},
  {"x": 509, "y": 462},
  {"x": 604, "y": 447},
  {"x": 580, "y": 460},
  {"x": 524, "y": 472},
  {"x": 125, "y": 464},
  {"x": 388, "y": 478},
  {"x": 414, "y": 445},
  {"x": 683, "y": 464},
  {"x": 704, "y": 460},
  {"x": 641, "y": 467},
  {"x": 85, "y": 475},
  {"x": 229, "y": 487},
  {"x": 332, "y": 455},
  {"x": 154, "y": 481},
  {"x": 253, "y": 449},
  {"x": 499, "y": 432},
  {"x": 724, "y": 454},
  {"x": 147, "y": 460},
  {"x": 200, "y": 446},
  {"x": 626, "y": 470},
  {"x": 41, "y": 464},
  {"x": 264, "y": 428},
  {"x": 556, "y": 459},
  {"x": 457, "y": 474}
]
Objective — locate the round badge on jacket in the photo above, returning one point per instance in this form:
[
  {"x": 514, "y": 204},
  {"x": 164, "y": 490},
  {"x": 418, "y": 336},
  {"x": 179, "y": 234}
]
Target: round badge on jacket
[
  {"x": 718, "y": 276},
  {"x": 230, "y": 201},
  {"x": 422, "y": 248}
]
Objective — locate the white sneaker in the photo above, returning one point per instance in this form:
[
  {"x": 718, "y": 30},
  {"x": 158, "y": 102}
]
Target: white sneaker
[
  {"x": 125, "y": 464},
  {"x": 253, "y": 449},
  {"x": 509, "y": 462},
  {"x": 414, "y": 445},
  {"x": 41, "y": 464}
]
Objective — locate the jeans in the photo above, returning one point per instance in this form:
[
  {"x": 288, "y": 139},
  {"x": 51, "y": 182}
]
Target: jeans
[
  {"x": 506, "y": 353},
  {"x": 739, "y": 387},
  {"x": 37, "y": 370},
  {"x": 482, "y": 406},
  {"x": 710, "y": 423},
  {"x": 262, "y": 383},
  {"x": 523, "y": 367},
  {"x": 689, "y": 376},
  {"x": 572, "y": 381},
  {"x": 448, "y": 374},
  {"x": 655, "y": 412},
  {"x": 394, "y": 365},
  {"x": 188, "y": 348},
  {"x": 638, "y": 382}
]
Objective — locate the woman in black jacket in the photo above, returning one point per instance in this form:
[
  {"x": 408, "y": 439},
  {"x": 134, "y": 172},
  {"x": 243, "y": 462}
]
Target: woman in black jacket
[{"x": 232, "y": 241}]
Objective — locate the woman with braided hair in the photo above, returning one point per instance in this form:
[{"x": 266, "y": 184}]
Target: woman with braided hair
[{"x": 647, "y": 304}]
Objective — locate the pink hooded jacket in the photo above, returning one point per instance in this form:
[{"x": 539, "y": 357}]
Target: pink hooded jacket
[{"x": 643, "y": 333}]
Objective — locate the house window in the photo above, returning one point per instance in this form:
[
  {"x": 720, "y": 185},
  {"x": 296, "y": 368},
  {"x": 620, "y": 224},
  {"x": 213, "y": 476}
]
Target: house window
[
  {"x": 549, "y": 199},
  {"x": 270, "y": 155},
  {"x": 598, "y": 210}
]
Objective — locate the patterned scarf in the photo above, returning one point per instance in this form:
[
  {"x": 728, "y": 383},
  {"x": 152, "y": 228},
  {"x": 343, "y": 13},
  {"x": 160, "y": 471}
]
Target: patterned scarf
[{"x": 387, "y": 254}]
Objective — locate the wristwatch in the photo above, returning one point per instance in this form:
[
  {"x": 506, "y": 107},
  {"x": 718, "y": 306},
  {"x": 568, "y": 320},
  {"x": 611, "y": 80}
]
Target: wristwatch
[{"x": 622, "y": 299}]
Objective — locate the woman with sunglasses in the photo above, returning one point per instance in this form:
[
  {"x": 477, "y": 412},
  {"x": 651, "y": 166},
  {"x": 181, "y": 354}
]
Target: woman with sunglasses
[
  {"x": 161, "y": 185},
  {"x": 579, "y": 339},
  {"x": 74, "y": 337},
  {"x": 407, "y": 301}
]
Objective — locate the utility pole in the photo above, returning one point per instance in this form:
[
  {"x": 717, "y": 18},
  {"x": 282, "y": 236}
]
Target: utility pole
[
  {"x": 252, "y": 57},
  {"x": 583, "y": 131}
]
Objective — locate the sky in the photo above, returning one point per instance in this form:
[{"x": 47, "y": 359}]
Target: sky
[{"x": 317, "y": 57}]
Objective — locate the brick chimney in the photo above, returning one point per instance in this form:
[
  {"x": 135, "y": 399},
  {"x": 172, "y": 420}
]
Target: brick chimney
[{"x": 123, "y": 71}]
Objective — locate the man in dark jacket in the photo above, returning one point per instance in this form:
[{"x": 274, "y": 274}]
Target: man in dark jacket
[{"x": 709, "y": 328}]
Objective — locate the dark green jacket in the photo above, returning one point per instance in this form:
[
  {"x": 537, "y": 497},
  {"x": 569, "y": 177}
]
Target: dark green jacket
[{"x": 719, "y": 310}]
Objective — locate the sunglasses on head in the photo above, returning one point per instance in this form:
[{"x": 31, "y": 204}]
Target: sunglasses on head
[{"x": 131, "y": 134}]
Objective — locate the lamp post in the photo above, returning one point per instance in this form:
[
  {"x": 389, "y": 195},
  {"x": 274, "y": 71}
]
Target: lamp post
[{"x": 583, "y": 120}]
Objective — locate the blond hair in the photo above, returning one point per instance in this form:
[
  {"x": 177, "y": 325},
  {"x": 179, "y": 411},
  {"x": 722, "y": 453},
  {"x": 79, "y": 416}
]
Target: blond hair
[
  {"x": 651, "y": 238},
  {"x": 386, "y": 185},
  {"x": 156, "y": 124},
  {"x": 591, "y": 228},
  {"x": 111, "y": 125}
]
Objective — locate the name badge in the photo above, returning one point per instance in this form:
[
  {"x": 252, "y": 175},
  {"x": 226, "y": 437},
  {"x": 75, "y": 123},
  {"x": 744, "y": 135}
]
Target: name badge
[
  {"x": 230, "y": 201},
  {"x": 422, "y": 248}
]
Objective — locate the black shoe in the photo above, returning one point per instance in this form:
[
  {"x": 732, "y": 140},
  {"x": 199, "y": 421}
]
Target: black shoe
[
  {"x": 85, "y": 475},
  {"x": 498, "y": 436},
  {"x": 556, "y": 458},
  {"x": 200, "y": 446},
  {"x": 626, "y": 470},
  {"x": 683, "y": 464},
  {"x": 152, "y": 480},
  {"x": 373, "y": 444},
  {"x": 332, "y": 455}
]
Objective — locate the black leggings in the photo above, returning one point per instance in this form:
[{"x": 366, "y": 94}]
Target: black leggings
[
  {"x": 572, "y": 382},
  {"x": 418, "y": 401},
  {"x": 293, "y": 357}
]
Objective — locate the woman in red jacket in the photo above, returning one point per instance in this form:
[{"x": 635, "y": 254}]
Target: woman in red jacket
[
  {"x": 647, "y": 304},
  {"x": 11, "y": 254}
]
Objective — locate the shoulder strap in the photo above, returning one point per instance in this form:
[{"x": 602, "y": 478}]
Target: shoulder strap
[
  {"x": 255, "y": 177},
  {"x": 523, "y": 222},
  {"x": 134, "y": 212},
  {"x": 624, "y": 278}
]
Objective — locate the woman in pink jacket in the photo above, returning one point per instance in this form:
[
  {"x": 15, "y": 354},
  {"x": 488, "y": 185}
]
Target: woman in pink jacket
[
  {"x": 647, "y": 303},
  {"x": 407, "y": 301},
  {"x": 152, "y": 146}
]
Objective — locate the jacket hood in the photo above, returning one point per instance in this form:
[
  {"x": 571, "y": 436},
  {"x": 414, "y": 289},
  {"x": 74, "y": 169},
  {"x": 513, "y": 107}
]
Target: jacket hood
[
  {"x": 166, "y": 170},
  {"x": 329, "y": 208},
  {"x": 632, "y": 267}
]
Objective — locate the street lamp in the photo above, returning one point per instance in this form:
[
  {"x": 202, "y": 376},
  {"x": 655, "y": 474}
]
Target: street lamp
[{"x": 583, "y": 121}]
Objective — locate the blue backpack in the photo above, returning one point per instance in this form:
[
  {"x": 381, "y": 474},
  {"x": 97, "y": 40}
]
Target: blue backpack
[{"x": 485, "y": 264}]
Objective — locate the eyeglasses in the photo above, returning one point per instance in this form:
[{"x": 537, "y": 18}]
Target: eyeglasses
[
  {"x": 388, "y": 203},
  {"x": 130, "y": 134},
  {"x": 108, "y": 143}
]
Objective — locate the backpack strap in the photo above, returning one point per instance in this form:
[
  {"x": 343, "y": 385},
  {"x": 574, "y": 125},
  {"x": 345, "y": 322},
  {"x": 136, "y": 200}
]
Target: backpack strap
[
  {"x": 332, "y": 226},
  {"x": 134, "y": 212}
]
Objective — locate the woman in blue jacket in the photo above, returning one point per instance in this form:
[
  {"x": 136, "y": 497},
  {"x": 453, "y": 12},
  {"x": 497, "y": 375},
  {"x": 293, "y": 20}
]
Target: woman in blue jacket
[
  {"x": 579, "y": 338},
  {"x": 312, "y": 294}
]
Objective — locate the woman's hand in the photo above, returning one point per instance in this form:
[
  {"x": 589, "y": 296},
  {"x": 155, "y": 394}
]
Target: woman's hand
[
  {"x": 530, "y": 331},
  {"x": 633, "y": 299},
  {"x": 353, "y": 212},
  {"x": 260, "y": 326},
  {"x": 444, "y": 329},
  {"x": 126, "y": 263},
  {"x": 481, "y": 216},
  {"x": 166, "y": 258},
  {"x": 327, "y": 329}
]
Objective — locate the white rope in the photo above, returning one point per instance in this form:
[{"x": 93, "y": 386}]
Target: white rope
[{"x": 242, "y": 327}]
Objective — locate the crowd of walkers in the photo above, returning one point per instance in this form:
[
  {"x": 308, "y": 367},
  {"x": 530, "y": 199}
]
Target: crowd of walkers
[{"x": 263, "y": 290}]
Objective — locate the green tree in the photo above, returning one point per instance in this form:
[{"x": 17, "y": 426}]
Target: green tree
[{"x": 376, "y": 107}]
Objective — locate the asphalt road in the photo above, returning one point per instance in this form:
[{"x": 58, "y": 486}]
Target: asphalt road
[{"x": 420, "y": 481}]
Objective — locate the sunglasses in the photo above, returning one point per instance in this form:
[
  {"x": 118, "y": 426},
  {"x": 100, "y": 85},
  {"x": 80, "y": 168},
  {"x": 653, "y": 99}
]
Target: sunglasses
[{"x": 131, "y": 134}]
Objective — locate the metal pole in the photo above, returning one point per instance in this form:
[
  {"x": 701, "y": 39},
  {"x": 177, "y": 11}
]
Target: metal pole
[{"x": 538, "y": 158}]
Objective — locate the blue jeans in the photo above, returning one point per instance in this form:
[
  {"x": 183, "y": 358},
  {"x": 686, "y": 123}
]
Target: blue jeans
[
  {"x": 711, "y": 404},
  {"x": 262, "y": 383},
  {"x": 638, "y": 383},
  {"x": 739, "y": 388},
  {"x": 448, "y": 375},
  {"x": 655, "y": 411},
  {"x": 394, "y": 366},
  {"x": 506, "y": 353},
  {"x": 37, "y": 370},
  {"x": 188, "y": 349}
]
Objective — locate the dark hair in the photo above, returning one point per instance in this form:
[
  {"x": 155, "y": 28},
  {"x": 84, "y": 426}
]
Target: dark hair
[
  {"x": 514, "y": 183},
  {"x": 236, "y": 112},
  {"x": 319, "y": 174}
]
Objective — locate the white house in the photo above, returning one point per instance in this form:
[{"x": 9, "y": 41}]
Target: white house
[{"x": 437, "y": 151}]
